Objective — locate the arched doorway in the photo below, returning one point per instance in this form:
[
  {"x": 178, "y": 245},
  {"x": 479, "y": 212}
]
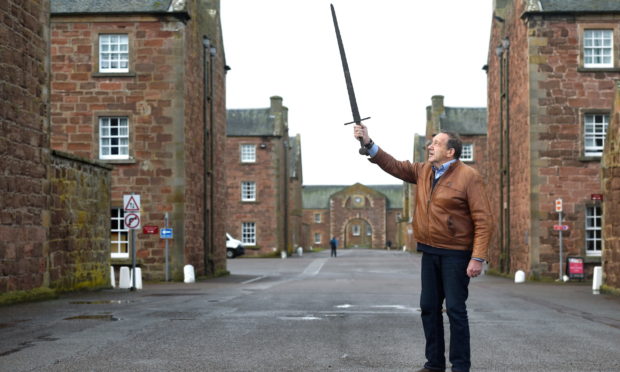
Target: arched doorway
[{"x": 358, "y": 234}]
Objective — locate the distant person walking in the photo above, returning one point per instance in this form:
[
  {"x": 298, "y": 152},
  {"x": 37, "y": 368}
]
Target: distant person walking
[{"x": 334, "y": 244}]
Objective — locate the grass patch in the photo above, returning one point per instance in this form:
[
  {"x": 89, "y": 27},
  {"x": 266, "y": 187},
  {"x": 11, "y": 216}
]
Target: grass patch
[
  {"x": 37, "y": 294},
  {"x": 610, "y": 290}
]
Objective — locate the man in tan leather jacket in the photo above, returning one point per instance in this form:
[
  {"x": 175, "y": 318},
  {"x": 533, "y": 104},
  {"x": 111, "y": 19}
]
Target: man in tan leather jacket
[{"x": 453, "y": 226}]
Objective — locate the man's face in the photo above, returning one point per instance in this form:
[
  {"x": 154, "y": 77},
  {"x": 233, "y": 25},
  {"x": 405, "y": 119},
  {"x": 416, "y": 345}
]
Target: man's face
[{"x": 438, "y": 152}]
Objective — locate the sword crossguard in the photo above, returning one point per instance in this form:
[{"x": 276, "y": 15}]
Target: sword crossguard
[{"x": 355, "y": 122}]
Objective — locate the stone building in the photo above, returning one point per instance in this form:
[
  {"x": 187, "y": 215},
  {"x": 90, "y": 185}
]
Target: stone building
[
  {"x": 551, "y": 71},
  {"x": 470, "y": 123},
  {"x": 610, "y": 185},
  {"x": 53, "y": 206},
  {"x": 140, "y": 86},
  {"x": 359, "y": 216},
  {"x": 264, "y": 178}
]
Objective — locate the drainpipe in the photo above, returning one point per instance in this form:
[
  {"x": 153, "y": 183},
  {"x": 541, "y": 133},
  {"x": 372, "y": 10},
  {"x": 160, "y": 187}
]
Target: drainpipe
[
  {"x": 499, "y": 51},
  {"x": 506, "y": 45},
  {"x": 208, "y": 238}
]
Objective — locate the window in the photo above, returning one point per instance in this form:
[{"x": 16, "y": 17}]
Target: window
[
  {"x": 317, "y": 218},
  {"x": 248, "y": 233},
  {"x": 368, "y": 230},
  {"x": 113, "y": 138},
  {"x": 467, "y": 154},
  {"x": 317, "y": 238},
  {"x": 356, "y": 230},
  {"x": 248, "y": 154},
  {"x": 598, "y": 48},
  {"x": 248, "y": 191},
  {"x": 594, "y": 131},
  {"x": 113, "y": 53},
  {"x": 119, "y": 235},
  {"x": 594, "y": 240}
]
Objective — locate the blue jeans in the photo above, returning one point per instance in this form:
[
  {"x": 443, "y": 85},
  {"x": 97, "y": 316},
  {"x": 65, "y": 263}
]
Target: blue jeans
[{"x": 445, "y": 277}]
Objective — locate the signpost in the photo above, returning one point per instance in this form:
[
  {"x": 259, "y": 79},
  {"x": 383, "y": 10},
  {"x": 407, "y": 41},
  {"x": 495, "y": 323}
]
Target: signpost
[
  {"x": 558, "y": 208},
  {"x": 166, "y": 234},
  {"x": 131, "y": 205}
]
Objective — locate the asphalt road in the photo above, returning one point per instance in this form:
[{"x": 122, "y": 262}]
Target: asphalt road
[{"x": 357, "y": 312}]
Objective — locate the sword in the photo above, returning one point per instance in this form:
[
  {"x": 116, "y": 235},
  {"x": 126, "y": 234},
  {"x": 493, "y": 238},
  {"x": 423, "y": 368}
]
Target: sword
[{"x": 347, "y": 77}]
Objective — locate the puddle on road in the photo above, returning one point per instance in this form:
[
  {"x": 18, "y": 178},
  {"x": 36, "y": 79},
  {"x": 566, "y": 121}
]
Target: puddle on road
[
  {"x": 99, "y": 302},
  {"x": 12, "y": 323},
  {"x": 106, "y": 317}
]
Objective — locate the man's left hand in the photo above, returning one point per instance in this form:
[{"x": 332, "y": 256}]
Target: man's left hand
[{"x": 474, "y": 268}]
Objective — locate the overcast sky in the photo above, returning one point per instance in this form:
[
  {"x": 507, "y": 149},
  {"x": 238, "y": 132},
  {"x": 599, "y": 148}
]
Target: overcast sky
[{"x": 400, "y": 54}]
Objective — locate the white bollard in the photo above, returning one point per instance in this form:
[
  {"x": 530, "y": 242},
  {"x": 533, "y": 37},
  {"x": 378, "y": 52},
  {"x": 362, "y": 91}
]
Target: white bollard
[
  {"x": 520, "y": 276},
  {"x": 124, "y": 282},
  {"x": 112, "y": 277},
  {"x": 597, "y": 280},
  {"x": 190, "y": 277},
  {"x": 300, "y": 251},
  {"x": 283, "y": 254},
  {"x": 138, "y": 278}
]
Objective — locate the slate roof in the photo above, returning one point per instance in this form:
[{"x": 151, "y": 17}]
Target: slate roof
[
  {"x": 579, "y": 6},
  {"x": 250, "y": 122},
  {"x": 317, "y": 196},
  {"x": 109, "y": 6},
  {"x": 464, "y": 120}
]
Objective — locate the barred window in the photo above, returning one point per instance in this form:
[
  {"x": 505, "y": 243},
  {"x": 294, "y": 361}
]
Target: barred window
[
  {"x": 113, "y": 53},
  {"x": 248, "y": 233},
  {"x": 594, "y": 132},
  {"x": 594, "y": 238},
  {"x": 598, "y": 48},
  {"x": 317, "y": 238},
  {"x": 356, "y": 230},
  {"x": 119, "y": 234},
  {"x": 467, "y": 154},
  {"x": 248, "y": 191},
  {"x": 248, "y": 153},
  {"x": 113, "y": 138}
]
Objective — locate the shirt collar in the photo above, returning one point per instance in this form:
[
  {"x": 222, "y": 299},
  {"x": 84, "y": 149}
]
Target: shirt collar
[{"x": 442, "y": 168}]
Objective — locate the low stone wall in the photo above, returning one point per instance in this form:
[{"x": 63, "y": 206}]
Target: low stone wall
[{"x": 79, "y": 239}]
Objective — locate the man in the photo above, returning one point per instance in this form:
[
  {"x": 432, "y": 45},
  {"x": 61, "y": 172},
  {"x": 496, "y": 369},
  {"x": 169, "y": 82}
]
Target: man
[
  {"x": 453, "y": 227},
  {"x": 334, "y": 244}
]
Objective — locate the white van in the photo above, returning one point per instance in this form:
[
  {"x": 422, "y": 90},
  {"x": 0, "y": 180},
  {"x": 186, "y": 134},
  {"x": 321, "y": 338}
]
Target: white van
[{"x": 234, "y": 247}]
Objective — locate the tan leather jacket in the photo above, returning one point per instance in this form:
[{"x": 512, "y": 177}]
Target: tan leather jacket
[{"x": 455, "y": 214}]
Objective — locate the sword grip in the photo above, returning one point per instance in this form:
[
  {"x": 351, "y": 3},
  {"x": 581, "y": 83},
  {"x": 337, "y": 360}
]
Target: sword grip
[{"x": 363, "y": 150}]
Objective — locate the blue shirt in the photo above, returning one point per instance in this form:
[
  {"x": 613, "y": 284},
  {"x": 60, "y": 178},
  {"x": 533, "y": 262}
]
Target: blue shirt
[{"x": 443, "y": 168}]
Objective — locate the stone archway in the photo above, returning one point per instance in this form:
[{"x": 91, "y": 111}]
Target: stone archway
[{"x": 357, "y": 234}]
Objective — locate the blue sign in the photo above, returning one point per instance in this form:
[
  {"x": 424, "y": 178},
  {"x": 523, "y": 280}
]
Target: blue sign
[{"x": 165, "y": 233}]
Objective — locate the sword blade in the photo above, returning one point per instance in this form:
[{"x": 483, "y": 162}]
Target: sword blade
[{"x": 347, "y": 77}]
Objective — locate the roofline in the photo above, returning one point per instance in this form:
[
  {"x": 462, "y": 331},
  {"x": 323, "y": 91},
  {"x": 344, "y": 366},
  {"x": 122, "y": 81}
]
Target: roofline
[
  {"x": 527, "y": 13},
  {"x": 181, "y": 15}
]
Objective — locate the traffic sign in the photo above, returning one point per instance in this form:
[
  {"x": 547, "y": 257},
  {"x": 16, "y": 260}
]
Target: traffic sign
[
  {"x": 150, "y": 229},
  {"x": 131, "y": 203},
  {"x": 560, "y": 227},
  {"x": 165, "y": 233},
  {"x": 558, "y": 205},
  {"x": 132, "y": 221}
]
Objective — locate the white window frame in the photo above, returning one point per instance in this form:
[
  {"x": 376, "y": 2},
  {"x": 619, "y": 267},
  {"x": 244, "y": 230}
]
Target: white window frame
[
  {"x": 594, "y": 230},
  {"x": 113, "y": 53},
  {"x": 467, "y": 153},
  {"x": 356, "y": 230},
  {"x": 248, "y": 233},
  {"x": 317, "y": 238},
  {"x": 594, "y": 132},
  {"x": 247, "y": 153},
  {"x": 119, "y": 234},
  {"x": 598, "y": 48},
  {"x": 114, "y": 137},
  {"x": 248, "y": 191},
  {"x": 317, "y": 218}
]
